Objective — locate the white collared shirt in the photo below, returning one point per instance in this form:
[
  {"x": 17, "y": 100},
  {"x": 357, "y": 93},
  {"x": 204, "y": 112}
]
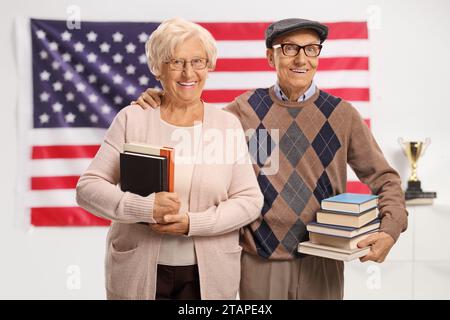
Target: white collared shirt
[{"x": 308, "y": 93}]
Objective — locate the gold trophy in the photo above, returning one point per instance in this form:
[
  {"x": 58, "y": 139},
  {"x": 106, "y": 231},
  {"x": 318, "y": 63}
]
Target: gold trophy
[{"x": 413, "y": 151}]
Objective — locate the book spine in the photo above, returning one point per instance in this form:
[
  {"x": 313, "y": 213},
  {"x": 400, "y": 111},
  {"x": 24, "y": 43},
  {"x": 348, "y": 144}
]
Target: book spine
[
  {"x": 169, "y": 154},
  {"x": 165, "y": 176}
]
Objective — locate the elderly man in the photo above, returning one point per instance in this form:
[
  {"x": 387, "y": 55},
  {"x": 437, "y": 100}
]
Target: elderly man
[{"x": 318, "y": 135}]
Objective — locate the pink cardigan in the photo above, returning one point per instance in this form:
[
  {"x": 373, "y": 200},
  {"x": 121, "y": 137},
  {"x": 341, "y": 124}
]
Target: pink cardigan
[{"x": 224, "y": 197}]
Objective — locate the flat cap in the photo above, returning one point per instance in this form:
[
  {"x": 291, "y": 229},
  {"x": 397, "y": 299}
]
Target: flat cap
[{"x": 285, "y": 26}]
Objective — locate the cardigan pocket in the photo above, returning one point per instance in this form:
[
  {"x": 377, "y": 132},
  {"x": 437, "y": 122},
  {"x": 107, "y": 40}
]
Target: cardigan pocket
[
  {"x": 125, "y": 271},
  {"x": 237, "y": 249},
  {"x": 121, "y": 249},
  {"x": 232, "y": 271}
]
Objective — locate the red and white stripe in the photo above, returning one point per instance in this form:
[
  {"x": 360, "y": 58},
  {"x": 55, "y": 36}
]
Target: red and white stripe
[{"x": 60, "y": 156}]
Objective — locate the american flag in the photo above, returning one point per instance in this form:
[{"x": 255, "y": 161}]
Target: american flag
[{"x": 82, "y": 77}]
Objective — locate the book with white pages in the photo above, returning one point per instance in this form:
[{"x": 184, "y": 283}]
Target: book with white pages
[
  {"x": 332, "y": 253},
  {"x": 338, "y": 242},
  {"x": 347, "y": 219},
  {"x": 342, "y": 231},
  {"x": 350, "y": 202}
]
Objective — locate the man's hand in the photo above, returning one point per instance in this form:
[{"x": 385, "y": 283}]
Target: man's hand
[
  {"x": 150, "y": 98},
  {"x": 177, "y": 224},
  {"x": 380, "y": 244},
  {"x": 166, "y": 203}
]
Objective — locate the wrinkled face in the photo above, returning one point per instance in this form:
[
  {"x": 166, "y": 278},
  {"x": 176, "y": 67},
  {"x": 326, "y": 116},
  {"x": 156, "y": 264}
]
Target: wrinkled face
[
  {"x": 294, "y": 73},
  {"x": 186, "y": 85}
]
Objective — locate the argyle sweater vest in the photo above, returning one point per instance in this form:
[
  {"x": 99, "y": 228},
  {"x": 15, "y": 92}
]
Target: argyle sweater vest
[{"x": 300, "y": 152}]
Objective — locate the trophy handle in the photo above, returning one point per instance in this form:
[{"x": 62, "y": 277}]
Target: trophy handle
[
  {"x": 401, "y": 142},
  {"x": 425, "y": 145}
]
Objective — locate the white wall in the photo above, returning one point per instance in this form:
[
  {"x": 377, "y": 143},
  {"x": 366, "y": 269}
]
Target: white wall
[{"x": 410, "y": 98}]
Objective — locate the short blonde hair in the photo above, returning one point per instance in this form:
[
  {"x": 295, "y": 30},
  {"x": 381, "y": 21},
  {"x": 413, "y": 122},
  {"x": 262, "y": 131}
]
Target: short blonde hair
[{"x": 163, "y": 41}]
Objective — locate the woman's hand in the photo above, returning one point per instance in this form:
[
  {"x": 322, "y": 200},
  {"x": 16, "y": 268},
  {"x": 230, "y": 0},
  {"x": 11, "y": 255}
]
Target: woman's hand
[
  {"x": 177, "y": 224},
  {"x": 166, "y": 203},
  {"x": 150, "y": 98}
]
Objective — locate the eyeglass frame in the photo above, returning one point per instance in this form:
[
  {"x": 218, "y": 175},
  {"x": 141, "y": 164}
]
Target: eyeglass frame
[
  {"x": 169, "y": 62},
  {"x": 282, "y": 45}
]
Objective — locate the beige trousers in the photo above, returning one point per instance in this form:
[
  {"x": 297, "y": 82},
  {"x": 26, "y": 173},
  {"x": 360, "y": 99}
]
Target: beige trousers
[{"x": 307, "y": 278}]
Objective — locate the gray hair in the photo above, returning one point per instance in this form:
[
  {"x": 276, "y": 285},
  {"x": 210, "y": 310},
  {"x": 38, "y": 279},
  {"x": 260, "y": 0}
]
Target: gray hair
[{"x": 170, "y": 33}]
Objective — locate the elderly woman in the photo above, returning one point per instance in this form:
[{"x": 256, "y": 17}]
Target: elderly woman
[{"x": 190, "y": 249}]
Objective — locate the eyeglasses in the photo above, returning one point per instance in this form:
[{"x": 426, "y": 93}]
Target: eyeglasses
[
  {"x": 292, "y": 49},
  {"x": 180, "y": 64}
]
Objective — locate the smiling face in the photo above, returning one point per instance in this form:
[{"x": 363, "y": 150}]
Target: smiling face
[
  {"x": 185, "y": 86},
  {"x": 295, "y": 74}
]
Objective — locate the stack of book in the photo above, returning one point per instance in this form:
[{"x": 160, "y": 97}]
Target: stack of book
[
  {"x": 145, "y": 169},
  {"x": 343, "y": 221}
]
